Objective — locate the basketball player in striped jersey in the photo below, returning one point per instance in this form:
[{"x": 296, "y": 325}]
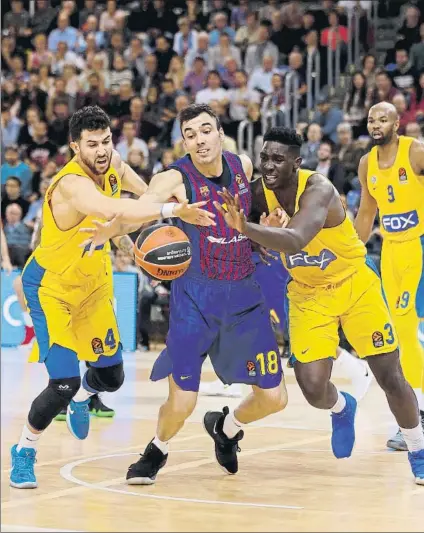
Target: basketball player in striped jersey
[
  {"x": 216, "y": 307},
  {"x": 392, "y": 179},
  {"x": 67, "y": 285},
  {"x": 332, "y": 283}
]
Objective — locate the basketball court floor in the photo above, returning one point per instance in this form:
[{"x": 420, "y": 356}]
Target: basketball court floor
[{"x": 288, "y": 478}]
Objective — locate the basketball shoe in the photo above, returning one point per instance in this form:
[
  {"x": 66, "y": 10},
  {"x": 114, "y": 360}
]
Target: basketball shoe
[
  {"x": 225, "y": 448},
  {"x": 343, "y": 436},
  {"x": 78, "y": 419},
  {"x": 416, "y": 460},
  {"x": 22, "y": 474},
  {"x": 98, "y": 408},
  {"x": 397, "y": 442},
  {"x": 145, "y": 470}
]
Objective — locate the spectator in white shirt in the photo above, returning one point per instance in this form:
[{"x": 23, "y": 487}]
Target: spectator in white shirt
[
  {"x": 213, "y": 91},
  {"x": 261, "y": 77},
  {"x": 218, "y": 54},
  {"x": 256, "y": 53},
  {"x": 108, "y": 19},
  {"x": 130, "y": 141},
  {"x": 201, "y": 50},
  {"x": 185, "y": 39}
]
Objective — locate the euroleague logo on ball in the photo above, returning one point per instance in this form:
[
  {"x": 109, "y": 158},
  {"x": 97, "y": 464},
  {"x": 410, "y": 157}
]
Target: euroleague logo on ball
[{"x": 163, "y": 252}]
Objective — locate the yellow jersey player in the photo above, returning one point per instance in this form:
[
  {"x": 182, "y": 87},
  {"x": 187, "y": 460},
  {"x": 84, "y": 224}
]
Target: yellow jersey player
[
  {"x": 392, "y": 179},
  {"x": 68, "y": 287},
  {"x": 331, "y": 284}
]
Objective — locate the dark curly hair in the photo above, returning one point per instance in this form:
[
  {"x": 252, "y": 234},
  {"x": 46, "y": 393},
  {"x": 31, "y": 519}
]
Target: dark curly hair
[
  {"x": 286, "y": 136},
  {"x": 89, "y": 118},
  {"x": 194, "y": 110}
]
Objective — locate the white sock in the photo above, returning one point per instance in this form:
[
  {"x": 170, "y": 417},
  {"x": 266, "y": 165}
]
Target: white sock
[
  {"x": 231, "y": 425},
  {"x": 420, "y": 398},
  {"x": 350, "y": 365},
  {"x": 414, "y": 438},
  {"x": 340, "y": 404},
  {"x": 82, "y": 395},
  {"x": 28, "y": 439},
  {"x": 163, "y": 446},
  {"x": 27, "y": 319}
]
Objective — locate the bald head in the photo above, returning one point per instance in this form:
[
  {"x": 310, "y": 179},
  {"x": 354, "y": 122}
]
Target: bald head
[
  {"x": 386, "y": 108},
  {"x": 383, "y": 123}
]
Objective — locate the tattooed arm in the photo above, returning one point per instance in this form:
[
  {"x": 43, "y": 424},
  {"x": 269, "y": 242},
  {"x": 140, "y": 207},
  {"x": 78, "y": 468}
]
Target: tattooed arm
[{"x": 125, "y": 244}]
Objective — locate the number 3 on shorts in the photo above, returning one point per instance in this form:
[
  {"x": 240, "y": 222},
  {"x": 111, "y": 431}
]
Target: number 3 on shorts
[{"x": 268, "y": 363}]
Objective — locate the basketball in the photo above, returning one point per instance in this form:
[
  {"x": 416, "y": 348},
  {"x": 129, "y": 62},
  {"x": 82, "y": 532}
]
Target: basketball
[{"x": 163, "y": 252}]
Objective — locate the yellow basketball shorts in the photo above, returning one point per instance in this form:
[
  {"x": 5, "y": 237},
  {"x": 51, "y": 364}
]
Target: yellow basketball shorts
[
  {"x": 402, "y": 271},
  {"x": 80, "y": 318},
  {"x": 357, "y": 305}
]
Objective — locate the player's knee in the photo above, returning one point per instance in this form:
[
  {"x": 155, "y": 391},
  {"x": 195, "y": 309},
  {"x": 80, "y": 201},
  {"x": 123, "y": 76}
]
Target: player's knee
[
  {"x": 272, "y": 400},
  {"x": 52, "y": 400},
  {"x": 388, "y": 372},
  {"x": 313, "y": 390},
  {"x": 108, "y": 378},
  {"x": 182, "y": 405}
]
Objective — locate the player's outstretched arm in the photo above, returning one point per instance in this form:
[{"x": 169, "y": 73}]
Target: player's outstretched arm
[
  {"x": 302, "y": 228},
  {"x": 368, "y": 206},
  {"x": 83, "y": 195}
]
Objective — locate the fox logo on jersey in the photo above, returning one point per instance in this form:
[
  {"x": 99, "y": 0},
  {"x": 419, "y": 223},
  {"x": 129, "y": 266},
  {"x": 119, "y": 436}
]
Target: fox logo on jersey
[
  {"x": 302, "y": 259},
  {"x": 403, "y": 177},
  {"x": 400, "y": 222}
]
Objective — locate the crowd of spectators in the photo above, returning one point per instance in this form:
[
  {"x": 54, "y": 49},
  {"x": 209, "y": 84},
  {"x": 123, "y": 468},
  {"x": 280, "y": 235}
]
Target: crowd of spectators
[{"x": 143, "y": 61}]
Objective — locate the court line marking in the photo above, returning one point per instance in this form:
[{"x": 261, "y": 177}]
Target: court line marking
[
  {"x": 105, "y": 484},
  {"x": 66, "y": 472},
  {"x": 10, "y": 527},
  {"x": 117, "y": 450}
]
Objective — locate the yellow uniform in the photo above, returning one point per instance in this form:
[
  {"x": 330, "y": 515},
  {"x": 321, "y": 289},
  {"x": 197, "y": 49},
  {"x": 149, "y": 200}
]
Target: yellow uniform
[
  {"x": 399, "y": 194},
  {"x": 332, "y": 284},
  {"x": 69, "y": 294}
]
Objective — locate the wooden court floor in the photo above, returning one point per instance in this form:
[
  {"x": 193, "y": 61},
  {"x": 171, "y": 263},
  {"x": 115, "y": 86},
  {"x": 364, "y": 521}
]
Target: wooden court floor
[{"x": 288, "y": 478}]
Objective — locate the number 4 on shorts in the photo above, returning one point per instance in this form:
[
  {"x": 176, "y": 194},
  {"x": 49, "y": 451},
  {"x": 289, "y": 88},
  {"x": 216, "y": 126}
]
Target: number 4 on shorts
[{"x": 110, "y": 339}]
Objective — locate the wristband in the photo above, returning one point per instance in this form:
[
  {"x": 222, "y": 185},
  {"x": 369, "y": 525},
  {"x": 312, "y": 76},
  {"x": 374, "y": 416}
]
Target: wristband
[{"x": 167, "y": 210}]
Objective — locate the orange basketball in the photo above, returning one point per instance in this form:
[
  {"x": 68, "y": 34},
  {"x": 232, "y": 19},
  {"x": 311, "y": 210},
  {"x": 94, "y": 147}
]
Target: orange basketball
[{"x": 163, "y": 252}]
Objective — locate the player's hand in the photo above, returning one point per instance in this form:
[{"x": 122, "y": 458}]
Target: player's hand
[
  {"x": 276, "y": 219},
  {"x": 233, "y": 214},
  {"x": 192, "y": 214},
  {"x": 7, "y": 266},
  {"x": 101, "y": 233}
]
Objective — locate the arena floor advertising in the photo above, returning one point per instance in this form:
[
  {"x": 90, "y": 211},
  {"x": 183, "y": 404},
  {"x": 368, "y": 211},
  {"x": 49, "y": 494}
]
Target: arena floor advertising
[{"x": 288, "y": 478}]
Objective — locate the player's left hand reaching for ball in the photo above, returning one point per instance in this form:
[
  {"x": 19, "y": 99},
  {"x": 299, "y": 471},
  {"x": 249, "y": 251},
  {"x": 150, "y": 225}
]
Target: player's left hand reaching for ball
[{"x": 233, "y": 214}]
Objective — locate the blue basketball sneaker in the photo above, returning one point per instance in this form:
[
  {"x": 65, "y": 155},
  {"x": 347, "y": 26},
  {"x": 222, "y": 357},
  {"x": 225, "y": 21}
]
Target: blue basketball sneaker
[
  {"x": 416, "y": 460},
  {"x": 343, "y": 437},
  {"x": 22, "y": 474},
  {"x": 78, "y": 418}
]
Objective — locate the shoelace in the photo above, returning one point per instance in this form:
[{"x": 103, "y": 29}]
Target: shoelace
[{"x": 24, "y": 461}]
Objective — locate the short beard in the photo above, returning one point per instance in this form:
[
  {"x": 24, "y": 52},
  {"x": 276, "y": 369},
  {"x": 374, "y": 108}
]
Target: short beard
[
  {"x": 383, "y": 141},
  {"x": 92, "y": 167}
]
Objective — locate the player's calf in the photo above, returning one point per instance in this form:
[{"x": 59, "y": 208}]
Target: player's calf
[
  {"x": 403, "y": 404},
  {"x": 55, "y": 397}
]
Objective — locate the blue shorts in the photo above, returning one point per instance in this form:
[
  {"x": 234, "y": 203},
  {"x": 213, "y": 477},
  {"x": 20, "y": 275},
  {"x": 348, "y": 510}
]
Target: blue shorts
[{"x": 230, "y": 322}]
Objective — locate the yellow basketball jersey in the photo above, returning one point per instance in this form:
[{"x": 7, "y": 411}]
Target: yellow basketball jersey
[
  {"x": 399, "y": 195},
  {"x": 332, "y": 256},
  {"x": 59, "y": 251}
]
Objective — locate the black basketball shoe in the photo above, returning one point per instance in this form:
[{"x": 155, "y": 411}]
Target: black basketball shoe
[
  {"x": 225, "y": 448},
  {"x": 145, "y": 470},
  {"x": 98, "y": 408}
]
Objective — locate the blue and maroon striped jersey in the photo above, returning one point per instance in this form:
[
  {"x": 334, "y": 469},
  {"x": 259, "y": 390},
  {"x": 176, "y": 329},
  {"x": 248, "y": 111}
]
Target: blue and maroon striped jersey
[{"x": 219, "y": 252}]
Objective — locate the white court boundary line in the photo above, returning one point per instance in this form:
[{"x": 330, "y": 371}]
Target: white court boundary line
[
  {"x": 66, "y": 473},
  {"x": 12, "y": 527}
]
